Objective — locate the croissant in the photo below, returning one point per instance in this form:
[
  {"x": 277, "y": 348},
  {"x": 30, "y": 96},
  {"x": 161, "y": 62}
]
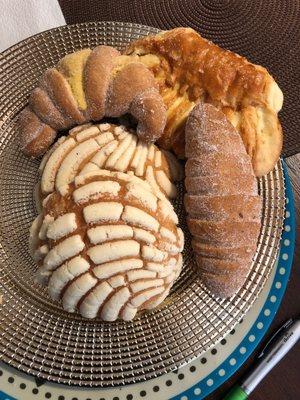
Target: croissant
[
  {"x": 189, "y": 68},
  {"x": 108, "y": 247},
  {"x": 86, "y": 86},
  {"x": 222, "y": 200}
]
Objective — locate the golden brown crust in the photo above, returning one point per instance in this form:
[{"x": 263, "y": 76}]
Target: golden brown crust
[
  {"x": 218, "y": 266},
  {"x": 189, "y": 68},
  {"x": 60, "y": 92},
  {"x": 44, "y": 108},
  {"x": 222, "y": 202},
  {"x": 215, "y": 164},
  {"x": 224, "y": 232},
  {"x": 36, "y": 136},
  {"x": 216, "y": 184},
  {"x": 224, "y": 284},
  {"x": 131, "y": 81},
  {"x": 236, "y": 207},
  {"x": 226, "y": 76},
  {"x": 118, "y": 234},
  {"x": 261, "y": 132},
  {"x": 97, "y": 77},
  {"x": 148, "y": 108},
  {"x": 88, "y": 85},
  {"x": 268, "y": 147},
  {"x": 222, "y": 253}
]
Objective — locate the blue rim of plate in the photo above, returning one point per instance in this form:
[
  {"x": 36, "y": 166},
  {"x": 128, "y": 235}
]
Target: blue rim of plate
[
  {"x": 254, "y": 336},
  {"x": 258, "y": 330}
]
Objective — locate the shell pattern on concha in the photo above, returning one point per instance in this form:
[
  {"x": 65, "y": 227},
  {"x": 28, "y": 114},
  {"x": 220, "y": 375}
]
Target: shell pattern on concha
[
  {"x": 108, "y": 246},
  {"x": 106, "y": 146}
]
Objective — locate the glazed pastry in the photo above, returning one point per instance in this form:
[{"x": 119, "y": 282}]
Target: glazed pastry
[
  {"x": 86, "y": 86},
  {"x": 189, "y": 68},
  {"x": 108, "y": 247},
  {"x": 106, "y": 146},
  {"x": 222, "y": 201}
]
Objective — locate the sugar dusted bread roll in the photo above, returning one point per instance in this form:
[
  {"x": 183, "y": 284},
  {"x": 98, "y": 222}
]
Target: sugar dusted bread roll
[
  {"x": 222, "y": 201},
  {"x": 86, "y": 86},
  {"x": 36, "y": 135},
  {"x": 189, "y": 69},
  {"x": 108, "y": 247},
  {"x": 106, "y": 146}
]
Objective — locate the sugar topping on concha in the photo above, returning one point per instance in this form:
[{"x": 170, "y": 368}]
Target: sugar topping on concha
[
  {"x": 107, "y": 246},
  {"x": 106, "y": 146}
]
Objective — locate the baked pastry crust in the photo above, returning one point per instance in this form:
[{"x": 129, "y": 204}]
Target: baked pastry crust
[
  {"x": 189, "y": 68},
  {"x": 107, "y": 146},
  {"x": 222, "y": 201},
  {"x": 86, "y": 86},
  {"x": 36, "y": 135},
  {"x": 108, "y": 246}
]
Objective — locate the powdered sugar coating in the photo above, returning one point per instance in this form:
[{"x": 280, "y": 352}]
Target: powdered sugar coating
[
  {"x": 222, "y": 200},
  {"x": 86, "y": 86},
  {"x": 36, "y": 136}
]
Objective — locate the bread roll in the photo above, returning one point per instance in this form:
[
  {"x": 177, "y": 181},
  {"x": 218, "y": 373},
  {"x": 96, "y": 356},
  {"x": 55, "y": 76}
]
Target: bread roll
[
  {"x": 36, "y": 136},
  {"x": 108, "y": 247},
  {"x": 106, "y": 146},
  {"x": 86, "y": 86},
  {"x": 222, "y": 201}
]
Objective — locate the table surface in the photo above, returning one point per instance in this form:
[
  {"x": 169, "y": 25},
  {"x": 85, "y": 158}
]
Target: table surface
[{"x": 282, "y": 383}]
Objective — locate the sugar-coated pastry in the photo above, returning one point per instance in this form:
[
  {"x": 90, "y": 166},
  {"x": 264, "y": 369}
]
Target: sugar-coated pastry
[
  {"x": 42, "y": 105},
  {"x": 222, "y": 201},
  {"x": 189, "y": 69},
  {"x": 146, "y": 107},
  {"x": 97, "y": 72},
  {"x": 106, "y": 146},
  {"x": 60, "y": 91},
  {"x": 88, "y": 85},
  {"x": 108, "y": 247},
  {"x": 36, "y": 135}
]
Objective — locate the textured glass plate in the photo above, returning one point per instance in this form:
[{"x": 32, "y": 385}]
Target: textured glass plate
[{"x": 36, "y": 335}]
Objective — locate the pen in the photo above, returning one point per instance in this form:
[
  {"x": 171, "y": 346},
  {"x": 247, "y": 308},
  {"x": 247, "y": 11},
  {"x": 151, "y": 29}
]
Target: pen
[{"x": 276, "y": 348}]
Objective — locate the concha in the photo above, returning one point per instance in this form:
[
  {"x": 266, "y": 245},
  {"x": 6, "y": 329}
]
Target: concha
[
  {"x": 107, "y": 245},
  {"x": 106, "y": 146}
]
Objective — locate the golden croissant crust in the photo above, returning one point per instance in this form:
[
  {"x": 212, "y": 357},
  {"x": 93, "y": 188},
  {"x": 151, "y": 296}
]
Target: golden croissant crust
[{"x": 189, "y": 68}]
